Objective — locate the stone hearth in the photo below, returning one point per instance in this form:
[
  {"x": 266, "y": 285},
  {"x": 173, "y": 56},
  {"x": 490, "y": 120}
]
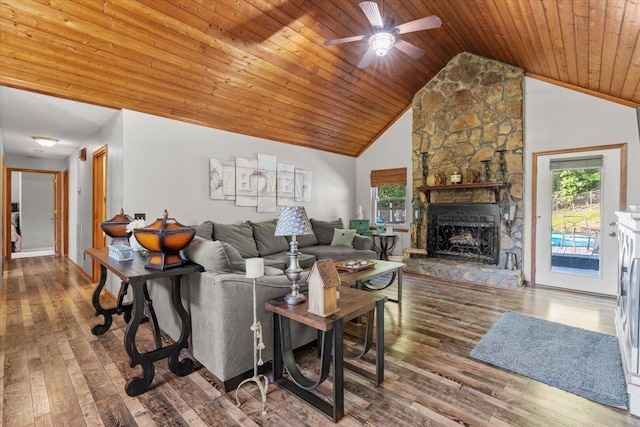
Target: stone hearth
[{"x": 480, "y": 274}]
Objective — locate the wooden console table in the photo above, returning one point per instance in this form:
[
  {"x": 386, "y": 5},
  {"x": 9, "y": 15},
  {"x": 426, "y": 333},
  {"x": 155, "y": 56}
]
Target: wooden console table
[
  {"x": 495, "y": 186},
  {"x": 132, "y": 273},
  {"x": 352, "y": 304}
]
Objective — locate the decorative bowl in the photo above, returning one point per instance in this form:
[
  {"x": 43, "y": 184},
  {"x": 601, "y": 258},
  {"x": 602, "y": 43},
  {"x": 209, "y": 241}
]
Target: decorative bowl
[
  {"x": 164, "y": 239},
  {"x": 116, "y": 228}
]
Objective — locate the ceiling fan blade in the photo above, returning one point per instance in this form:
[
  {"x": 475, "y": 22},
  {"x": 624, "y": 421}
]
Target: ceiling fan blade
[
  {"x": 343, "y": 40},
  {"x": 425, "y": 23},
  {"x": 373, "y": 13},
  {"x": 367, "y": 58},
  {"x": 412, "y": 50}
]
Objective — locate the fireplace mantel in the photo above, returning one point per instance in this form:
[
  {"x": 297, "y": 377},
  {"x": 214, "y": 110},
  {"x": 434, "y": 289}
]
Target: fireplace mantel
[{"x": 495, "y": 186}]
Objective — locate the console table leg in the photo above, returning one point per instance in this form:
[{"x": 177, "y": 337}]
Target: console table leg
[
  {"x": 184, "y": 367},
  {"x": 151, "y": 314},
  {"x": 100, "y": 329},
  {"x": 137, "y": 385}
]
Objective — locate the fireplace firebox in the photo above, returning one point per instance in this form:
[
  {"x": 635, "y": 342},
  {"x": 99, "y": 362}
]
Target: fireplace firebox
[{"x": 464, "y": 231}]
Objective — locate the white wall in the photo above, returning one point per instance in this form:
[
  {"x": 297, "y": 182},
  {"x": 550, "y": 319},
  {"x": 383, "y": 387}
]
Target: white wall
[
  {"x": 391, "y": 150},
  {"x": 560, "y": 118},
  {"x": 22, "y": 162},
  {"x": 166, "y": 166}
]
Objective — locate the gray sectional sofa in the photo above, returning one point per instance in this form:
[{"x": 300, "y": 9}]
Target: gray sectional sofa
[{"x": 220, "y": 299}]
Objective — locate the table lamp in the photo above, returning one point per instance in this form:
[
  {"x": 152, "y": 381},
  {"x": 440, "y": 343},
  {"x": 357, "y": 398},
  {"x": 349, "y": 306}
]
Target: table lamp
[
  {"x": 293, "y": 221},
  {"x": 254, "y": 268}
]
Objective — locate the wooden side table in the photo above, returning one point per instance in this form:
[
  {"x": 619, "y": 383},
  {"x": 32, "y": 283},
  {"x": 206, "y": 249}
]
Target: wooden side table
[
  {"x": 352, "y": 303},
  {"x": 132, "y": 273}
]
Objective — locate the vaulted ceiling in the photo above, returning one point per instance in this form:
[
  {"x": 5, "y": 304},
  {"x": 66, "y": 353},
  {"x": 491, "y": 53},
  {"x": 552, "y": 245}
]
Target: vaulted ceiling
[{"x": 259, "y": 67}]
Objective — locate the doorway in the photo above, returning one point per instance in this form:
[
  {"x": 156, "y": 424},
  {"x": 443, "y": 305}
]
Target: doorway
[
  {"x": 576, "y": 194},
  {"x": 32, "y": 213}
]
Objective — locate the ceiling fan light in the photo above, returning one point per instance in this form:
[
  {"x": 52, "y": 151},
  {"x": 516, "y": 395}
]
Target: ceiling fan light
[
  {"x": 45, "y": 141},
  {"x": 381, "y": 43}
]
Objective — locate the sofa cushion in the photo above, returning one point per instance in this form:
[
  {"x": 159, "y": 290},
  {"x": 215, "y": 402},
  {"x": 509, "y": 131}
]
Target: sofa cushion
[
  {"x": 324, "y": 230},
  {"x": 210, "y": 254},
  {"x": 343, "y": 237},
  {"x": 234, "y": 257},
  {"x": 204, "y": 230},
  {"x": 266, "y": 240},
  {"x": 240, "y": 236},
  {"x": 305, "y": 240}
]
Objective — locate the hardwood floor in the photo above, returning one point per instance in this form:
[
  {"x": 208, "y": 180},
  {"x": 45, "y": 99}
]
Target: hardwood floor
[{"x": 55, "y": 372}]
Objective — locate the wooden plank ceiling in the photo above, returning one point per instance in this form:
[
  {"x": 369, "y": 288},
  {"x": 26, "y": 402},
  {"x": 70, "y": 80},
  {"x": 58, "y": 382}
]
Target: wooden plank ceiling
[{"x": 259, "y": 67}]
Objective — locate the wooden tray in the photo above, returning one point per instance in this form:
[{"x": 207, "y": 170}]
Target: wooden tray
[{"x": 354, "y": 265}]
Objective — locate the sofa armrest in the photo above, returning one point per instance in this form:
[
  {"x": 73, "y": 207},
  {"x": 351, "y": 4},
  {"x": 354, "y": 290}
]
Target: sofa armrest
[
  {"x": 362, "y": 242},
  {"x": 221, "y": 317}
]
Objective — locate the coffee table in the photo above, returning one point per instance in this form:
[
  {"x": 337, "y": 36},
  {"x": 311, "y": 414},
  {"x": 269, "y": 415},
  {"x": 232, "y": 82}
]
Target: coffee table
[{"x": 362, "y": 279}]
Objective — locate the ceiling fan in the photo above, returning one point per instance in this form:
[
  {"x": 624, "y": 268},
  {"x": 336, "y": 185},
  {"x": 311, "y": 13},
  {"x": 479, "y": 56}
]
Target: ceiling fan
[{"x": 383, "y": 36}]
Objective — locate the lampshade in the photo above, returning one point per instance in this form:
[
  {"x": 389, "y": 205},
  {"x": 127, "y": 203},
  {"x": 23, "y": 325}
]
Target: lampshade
[
  {"x": 254, "y": 268},
  {"x": 381, "y": 43},
  {"x": 293, "y": 221},
  {"x": 45, "y": 141}
]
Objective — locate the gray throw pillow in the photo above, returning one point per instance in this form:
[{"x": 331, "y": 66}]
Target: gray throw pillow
[
  {"x": 324, "y": 230},
  {"x": 266, "y": 240},
  {"x": 305, "y": 240},
  {"x": 234, "y": 257},
  {"x": 204, "y": 230},
  {"x": 240, "y": 236},
  {"x": 210, "y": 254}
]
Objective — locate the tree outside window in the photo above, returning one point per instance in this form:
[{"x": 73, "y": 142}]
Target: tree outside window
[{"x": 390, "y": 204}]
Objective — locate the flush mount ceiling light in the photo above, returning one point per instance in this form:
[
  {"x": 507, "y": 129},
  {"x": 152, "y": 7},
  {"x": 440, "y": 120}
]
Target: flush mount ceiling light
[
  {"x": 45, "y": 141},
  {"x": 381, "y": 43}
]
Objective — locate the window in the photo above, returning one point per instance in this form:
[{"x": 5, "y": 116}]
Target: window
[{"x": 389, "y": 204}]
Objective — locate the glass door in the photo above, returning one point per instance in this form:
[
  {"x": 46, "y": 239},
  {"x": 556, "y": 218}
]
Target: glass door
[{"x": 577, "y": 194}]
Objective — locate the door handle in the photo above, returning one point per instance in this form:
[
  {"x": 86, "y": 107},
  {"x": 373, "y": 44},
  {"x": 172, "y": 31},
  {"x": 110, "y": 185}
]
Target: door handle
[
  {"x": 613, "y": 223},
  {"x": 612, "y": 233}
]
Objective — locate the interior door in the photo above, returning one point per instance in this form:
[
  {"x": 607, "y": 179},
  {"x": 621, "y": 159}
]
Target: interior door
[
  {"x": 576, "y": 246},
  {"x": 99, "y": 203}
]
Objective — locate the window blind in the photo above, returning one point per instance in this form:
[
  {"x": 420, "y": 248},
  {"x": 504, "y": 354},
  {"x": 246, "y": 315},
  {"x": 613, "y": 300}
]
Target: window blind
[
  {"x": 383, "y": 177},
  {"x": 581, "y": 163}
]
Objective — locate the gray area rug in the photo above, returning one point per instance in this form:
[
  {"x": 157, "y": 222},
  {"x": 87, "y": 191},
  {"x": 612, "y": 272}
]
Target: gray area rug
[{"x": 581, "y": 362}]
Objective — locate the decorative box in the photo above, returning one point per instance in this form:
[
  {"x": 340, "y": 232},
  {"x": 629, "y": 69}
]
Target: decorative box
[
  {"x": 120, "y": 252},
  {"x": 323, "y": 281},
  {"x": 164, "y": 239},
  {"x": 116, "y": 228}
]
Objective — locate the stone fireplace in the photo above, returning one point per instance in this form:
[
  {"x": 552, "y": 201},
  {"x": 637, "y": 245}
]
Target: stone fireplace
[{"x": 468, "y": 120}]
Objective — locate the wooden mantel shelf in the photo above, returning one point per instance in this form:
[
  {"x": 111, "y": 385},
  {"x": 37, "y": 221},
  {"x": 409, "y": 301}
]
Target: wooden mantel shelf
[{"x": 495, "y": 186}]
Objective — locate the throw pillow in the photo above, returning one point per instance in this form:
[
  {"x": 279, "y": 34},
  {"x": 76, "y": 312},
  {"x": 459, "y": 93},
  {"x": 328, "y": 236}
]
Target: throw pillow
[
  {"x": 324, "y": 230},
  {"x": 266, "y": 240},
  {"x": 204, "y": 230},
  {"x": 234, "y": 257},
  {"x": 240, "y": 236},
  {"x": 305, "y": 240},
  {"x": 343, "y": 237},
  {"x": 210, "y": 254}
]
